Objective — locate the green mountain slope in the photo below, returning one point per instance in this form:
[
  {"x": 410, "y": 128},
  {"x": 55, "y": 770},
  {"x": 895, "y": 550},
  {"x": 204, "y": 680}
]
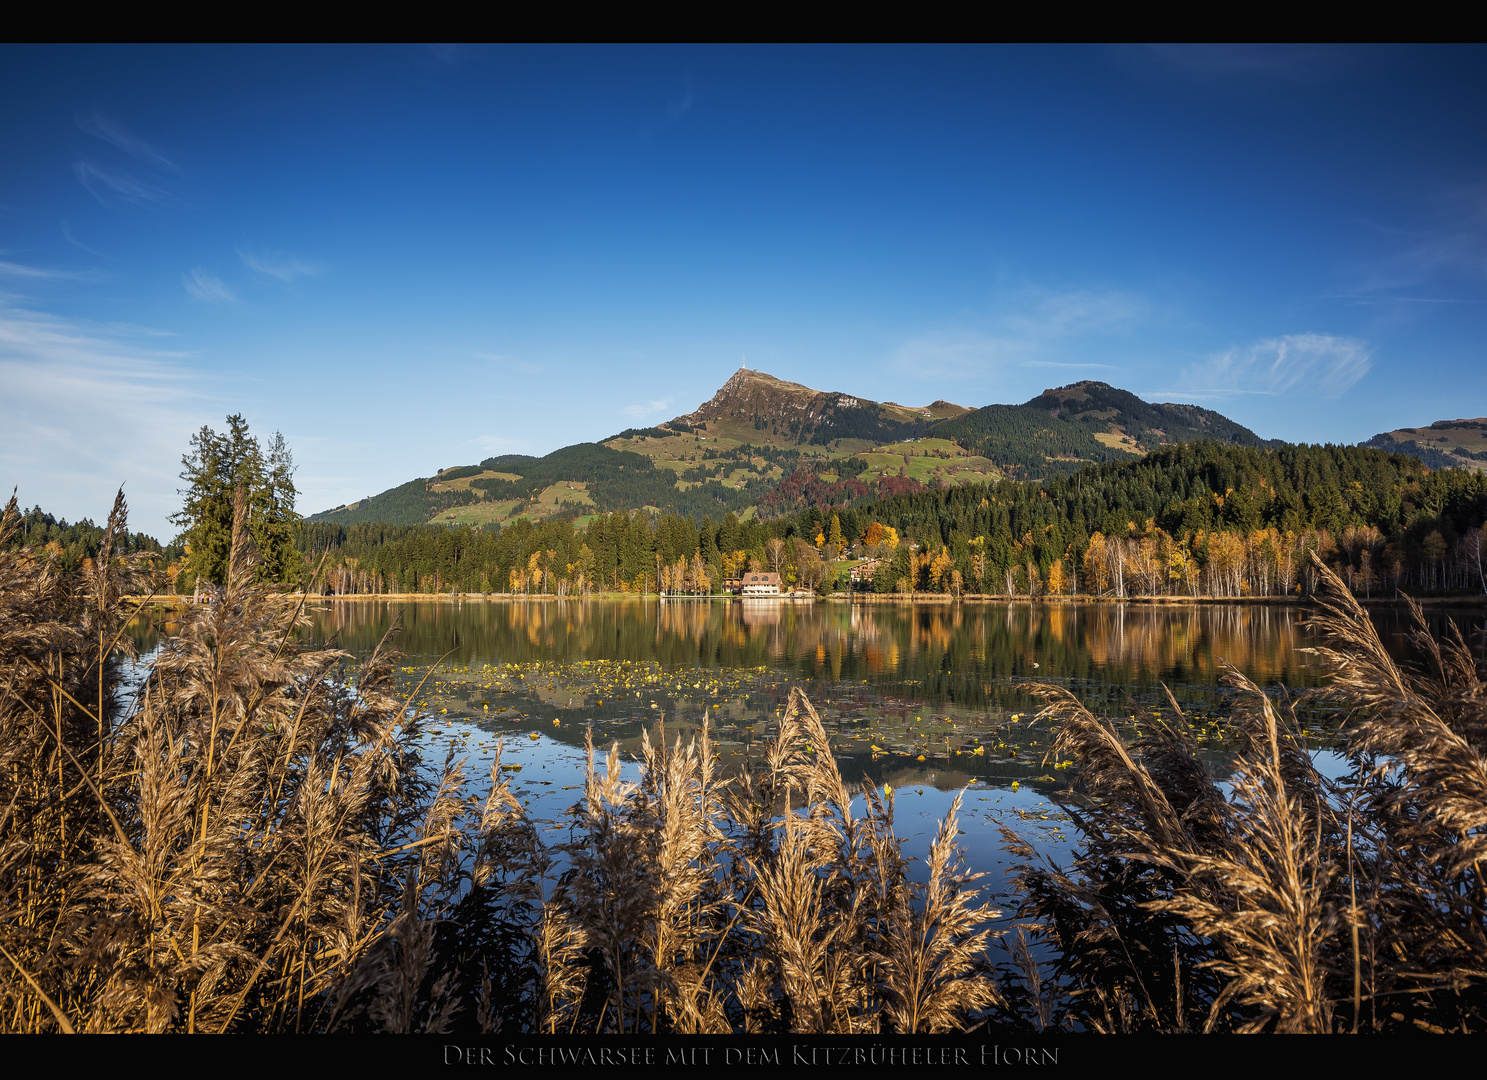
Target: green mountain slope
[
  {"x": 768, "y": 447},
  {"x": 1445, "y": 444},
  {"x": 1062, "y": 429}
]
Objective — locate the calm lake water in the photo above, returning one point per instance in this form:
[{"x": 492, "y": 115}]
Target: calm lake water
[{"x": 930, "y": 699}]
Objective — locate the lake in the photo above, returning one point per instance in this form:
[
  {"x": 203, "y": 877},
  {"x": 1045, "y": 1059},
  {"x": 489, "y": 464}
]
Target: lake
[{"x": 930, "y": 699}]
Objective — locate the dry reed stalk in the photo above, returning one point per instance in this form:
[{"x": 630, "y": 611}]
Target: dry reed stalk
[
  {"x": 1418, "y": 743},
  {"x": 935, "y": 947},
  {"x": 253, "y": 843},
  {"x": 1268, "y": 901},
  {"x": 1295, "y": 904},
  {"x": 232, "y": 844}
]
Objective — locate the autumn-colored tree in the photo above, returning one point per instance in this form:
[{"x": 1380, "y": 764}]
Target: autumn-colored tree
[
  {"x": 939, "y": 569},
  {"x": 774, "y": 549},
  {"x": 1096, "y": 568}
]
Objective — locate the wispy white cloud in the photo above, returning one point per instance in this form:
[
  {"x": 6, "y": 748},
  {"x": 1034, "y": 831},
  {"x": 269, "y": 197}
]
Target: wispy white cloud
[
  {"x": 1038, "y": 313},
  {"x": 75, "y": 242},
  {"x": 679, "y": 108},
  {"x": 86, "y": 409},
  {"x": 128, "y": 330},
  {"x": 1262, "y": 62},
  {"x": 280, "y": 265},
  {"x": 495, "y": 445},
  {"x": 647, "y": 408},
  {"x": 957, "y": 354},
  {"x": 151, "y": 178},
  {"x": 120, "y": 137},
  {"x": 511, "y": 364},
  {"x": 453, "y": 54},
  {"x": 1297, "y": 365},
  {"x": 207, "y": 287},
  {"x": 112, "y": 186},
  {"x": 20, "y": 270},
  {"x": 1448, "y": 250},
  {"x": 1028, "y": 325}
]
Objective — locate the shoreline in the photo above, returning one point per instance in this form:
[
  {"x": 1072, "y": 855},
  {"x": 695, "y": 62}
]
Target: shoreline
[{"x": 928, "y": 599}]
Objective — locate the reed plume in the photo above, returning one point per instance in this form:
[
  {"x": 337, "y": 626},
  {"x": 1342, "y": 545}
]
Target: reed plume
[
  {"x": 247, "y": 837},
  {"x": 1293, "y": 903}
]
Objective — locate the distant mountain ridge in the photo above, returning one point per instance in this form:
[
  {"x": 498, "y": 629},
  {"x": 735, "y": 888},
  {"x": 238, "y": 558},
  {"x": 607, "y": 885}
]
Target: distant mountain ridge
[
  {"x": 768, "y": 446},
  {"x": 1445, "y": 444},
  {"x": 1091, "y": 421},
  {"x": 1146, "y": 422}
]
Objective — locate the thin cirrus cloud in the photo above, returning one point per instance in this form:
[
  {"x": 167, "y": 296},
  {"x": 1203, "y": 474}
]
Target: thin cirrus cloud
[
  {"x": 121, "y": 138},
  {"x": 496, "y": 445},
  {"x": 149, "y": 178},
  {"x": 1442, "y": 256},
  {"x": 958, "y": 355},
  {"x": 510, "y": 364},
  {"x": 67, "y": 235},
  {"x": 1301, "y": 365},
  {"x": 1041, "y": 314},
  {"x": 111, "y": 186},
  {"x": 679, "y": 108},
  {"x": 281, "y": 266},
  {"x": 1030, "y": 324},
  {"x": 647, "y": 408},
  {"x": 206, "y": 287},
  {"x": 1222, "y": 61},
  {"x": 40, "y": 273},
  {"x": 136, "y": 403}
]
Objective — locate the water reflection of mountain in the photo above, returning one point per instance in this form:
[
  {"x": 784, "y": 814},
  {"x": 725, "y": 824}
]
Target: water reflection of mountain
[{"x": 932, "y": 652}]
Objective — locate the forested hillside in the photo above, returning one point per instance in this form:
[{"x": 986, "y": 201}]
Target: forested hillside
[
  {"x": 1202, "y": 518},
  {"x": 412, "y": 503},
  {"x": 1061, "y": 430},
  {"x": 78, "y": 542},
  {"x": 1445, "y": 444},
  {"x": 614, "y": 479}
]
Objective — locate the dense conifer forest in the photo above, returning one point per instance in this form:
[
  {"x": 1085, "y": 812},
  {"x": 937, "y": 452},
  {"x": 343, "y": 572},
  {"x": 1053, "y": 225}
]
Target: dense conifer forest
[
  {"x": 1195, "y": 519},
  {"x": 1204, "y": 518},
  {"x": 78, "y": 543}
]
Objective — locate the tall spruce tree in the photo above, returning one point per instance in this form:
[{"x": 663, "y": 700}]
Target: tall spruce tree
[{"x": 217, "y": 465}]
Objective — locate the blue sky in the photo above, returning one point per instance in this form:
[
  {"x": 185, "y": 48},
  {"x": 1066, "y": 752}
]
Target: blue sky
[{"x": 408, "y": 258}]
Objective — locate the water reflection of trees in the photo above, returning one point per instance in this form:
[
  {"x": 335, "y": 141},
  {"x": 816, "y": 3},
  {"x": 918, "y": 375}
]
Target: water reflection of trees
[{"x": 940, "y": 652}]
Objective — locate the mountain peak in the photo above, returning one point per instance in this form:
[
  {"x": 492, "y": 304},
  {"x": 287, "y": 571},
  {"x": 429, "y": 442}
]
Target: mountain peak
[
  {"x": 755, "y": 401},
  {"x": 755, "y": 397}
]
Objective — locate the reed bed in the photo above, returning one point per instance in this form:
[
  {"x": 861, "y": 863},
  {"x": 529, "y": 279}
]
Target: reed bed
[
  {"x": 249, "y": 840},
  {"x": 1290, "y": 903}
]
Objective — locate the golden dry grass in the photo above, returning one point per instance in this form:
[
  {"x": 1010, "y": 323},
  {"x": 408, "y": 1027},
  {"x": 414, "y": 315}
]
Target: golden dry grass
[
  {"x": 251, "y": 842},
  {"x": 1290, "y": 903}
]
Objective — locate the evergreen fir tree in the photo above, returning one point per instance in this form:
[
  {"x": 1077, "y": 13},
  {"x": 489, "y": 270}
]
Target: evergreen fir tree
[{"x": 217, "y": 465}]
